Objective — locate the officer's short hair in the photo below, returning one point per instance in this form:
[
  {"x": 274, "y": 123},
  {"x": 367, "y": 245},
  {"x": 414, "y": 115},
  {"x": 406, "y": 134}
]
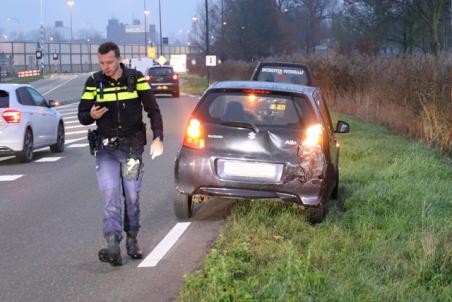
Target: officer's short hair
[{"x": 108, "y": 46}]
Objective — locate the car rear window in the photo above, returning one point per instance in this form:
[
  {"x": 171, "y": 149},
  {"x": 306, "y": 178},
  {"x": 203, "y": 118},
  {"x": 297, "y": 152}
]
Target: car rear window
[
  {"x": 4, "y": 99},
  {"x": 159, "y": 72},
  {"x": 292, "y": 75},
  {"x": 259, "y": 109}
]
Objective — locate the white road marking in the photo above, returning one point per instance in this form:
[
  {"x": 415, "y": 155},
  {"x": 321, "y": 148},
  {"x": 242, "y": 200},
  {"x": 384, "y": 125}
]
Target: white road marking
[
  {"x": 165, "y": 245},
  {"x": 71, "y": 122},
  {"x": 76, "y": 132},
  {"x": 47, "y": 159},
  {"x": 78, "y": 126},
  {"x": 70, "y": 141},
  {"x": 73, "y": 113},
  {"x": 78, "y": 145},
  {"x": 65, "y": 110},
  {"x": 41, "y": 149},
  {"x": 9, "y": 177},
  {"x": 58, "y": 86},
  {"x": 6, "y": 158},
  {"x": 68, "y": 105},
  {"x": 70, "y": 118}
]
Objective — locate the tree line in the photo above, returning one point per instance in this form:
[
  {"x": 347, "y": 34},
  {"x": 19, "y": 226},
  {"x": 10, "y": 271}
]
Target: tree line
[{"x": 249, "y": 29}]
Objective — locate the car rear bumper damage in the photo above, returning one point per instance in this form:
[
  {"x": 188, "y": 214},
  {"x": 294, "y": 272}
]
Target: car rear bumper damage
[{"x": 195, "y": 175}]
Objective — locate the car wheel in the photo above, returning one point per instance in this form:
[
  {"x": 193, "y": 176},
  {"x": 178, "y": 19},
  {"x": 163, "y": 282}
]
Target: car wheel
[
  {"x": 176, "y": 94},
  {"x": 182, "y": 206},
  {"x": 316, "y": 215},
  {"x": 59, "y": 146},
  {"x": 26, "y": 155}
]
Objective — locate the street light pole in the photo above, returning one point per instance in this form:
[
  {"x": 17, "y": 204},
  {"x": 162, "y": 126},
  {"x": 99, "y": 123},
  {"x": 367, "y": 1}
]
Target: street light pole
[
  {"x": 207, "y": 39},
  {"x": 71, "y": 4},
  {"x": 160, "y": 21},
  {"x": 146, "y": 13}
]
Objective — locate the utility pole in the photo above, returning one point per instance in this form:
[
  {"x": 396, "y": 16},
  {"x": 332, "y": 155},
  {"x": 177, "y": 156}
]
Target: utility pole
[
  {"x": 222, "y": 30},
  {"x": 145, "y": 13},
  {"x": 160, "y": 21},
  {"x": 41, "y": 45},
  {"x": 207, "y": 40}
]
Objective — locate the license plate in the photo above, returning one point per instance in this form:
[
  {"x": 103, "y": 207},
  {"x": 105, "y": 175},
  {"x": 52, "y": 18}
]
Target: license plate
[
  {"x": 250, "y": 170},
  {"x": 162, "y": 87}
]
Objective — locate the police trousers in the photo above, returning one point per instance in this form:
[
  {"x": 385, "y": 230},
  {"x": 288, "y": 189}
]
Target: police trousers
[{"x": 112, "y": 182}]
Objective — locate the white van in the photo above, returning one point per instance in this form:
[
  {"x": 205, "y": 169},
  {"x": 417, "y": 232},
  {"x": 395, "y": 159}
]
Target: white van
[{"x": 140, "y": 64}]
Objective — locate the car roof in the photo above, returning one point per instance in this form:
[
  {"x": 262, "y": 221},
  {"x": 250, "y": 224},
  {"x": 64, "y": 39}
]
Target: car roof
[
  {"x": 160, "y": 66},
  {"x": 272, "y": 86},
  {"x": 12, "y": 86},
  {"x": 275, "y": 63}
]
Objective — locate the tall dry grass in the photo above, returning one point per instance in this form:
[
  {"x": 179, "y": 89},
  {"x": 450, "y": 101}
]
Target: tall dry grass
[{"x": 410, "y": 95}]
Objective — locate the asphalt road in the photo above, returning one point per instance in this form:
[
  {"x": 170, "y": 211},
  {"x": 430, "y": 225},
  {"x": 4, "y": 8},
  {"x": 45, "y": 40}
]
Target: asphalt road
[{"x": 51, "y": 218}]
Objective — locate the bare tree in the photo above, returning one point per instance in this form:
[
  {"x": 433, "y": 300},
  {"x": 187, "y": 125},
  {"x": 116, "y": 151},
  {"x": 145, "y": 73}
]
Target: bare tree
[{"x": 431, "y": 12}]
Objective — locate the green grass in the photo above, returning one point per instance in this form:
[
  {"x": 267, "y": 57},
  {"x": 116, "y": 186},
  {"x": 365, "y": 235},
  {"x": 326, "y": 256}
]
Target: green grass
[
  {"x": 193, "y": 84},
  {"x": 24, "y": 80},
  {"x": 387, "y": 238}
]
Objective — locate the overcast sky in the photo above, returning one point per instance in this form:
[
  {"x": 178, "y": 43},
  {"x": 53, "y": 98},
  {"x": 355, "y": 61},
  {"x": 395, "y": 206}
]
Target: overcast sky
[{"x": 25, "y": 15}]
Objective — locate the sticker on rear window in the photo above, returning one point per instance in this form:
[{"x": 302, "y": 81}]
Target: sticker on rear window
[{"x": 283, "y": 71}]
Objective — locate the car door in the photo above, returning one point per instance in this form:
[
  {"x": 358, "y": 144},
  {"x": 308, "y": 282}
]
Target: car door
[
  {"x": 47, "y": 116},
  {"x": 33, "y": 115}
]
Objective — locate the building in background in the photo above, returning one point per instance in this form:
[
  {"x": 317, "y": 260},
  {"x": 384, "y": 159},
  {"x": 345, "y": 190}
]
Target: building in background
[{"x": 130, "y": 33}]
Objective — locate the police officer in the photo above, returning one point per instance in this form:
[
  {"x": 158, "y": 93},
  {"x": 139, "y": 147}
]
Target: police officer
[{"x": 114, "y": 98}]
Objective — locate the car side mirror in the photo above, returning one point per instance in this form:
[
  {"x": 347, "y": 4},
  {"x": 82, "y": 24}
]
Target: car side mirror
[
  {"x": 342, "y": 127},
  {"x": 54, "y": 103}
]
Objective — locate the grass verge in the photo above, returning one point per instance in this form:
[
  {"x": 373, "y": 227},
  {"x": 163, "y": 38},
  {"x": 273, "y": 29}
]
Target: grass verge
[
  {"x": 193, "y": 84},
  {"x": 25, "y": 80},
  {"x": 387, "y": 238}
]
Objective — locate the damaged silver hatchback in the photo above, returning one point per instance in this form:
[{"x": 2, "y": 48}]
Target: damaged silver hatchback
[{"x": 259, "y": 140}]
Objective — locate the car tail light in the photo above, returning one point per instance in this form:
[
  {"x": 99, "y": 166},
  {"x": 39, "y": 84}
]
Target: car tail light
[
  {"x": 310, "y": 150},
  {"x": 194, "y": 137},
  {"x": 11, "y": 116},
  {"x": 175, "y": 77},
  {"x": 313, "y": 136},
  {"x": 148, "y": 78}
]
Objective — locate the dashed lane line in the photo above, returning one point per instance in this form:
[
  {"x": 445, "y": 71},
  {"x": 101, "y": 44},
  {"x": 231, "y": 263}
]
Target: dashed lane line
[
  {"x": 165, "y": 245},
  {"x": 9, "y": 177},
  {"x": 48, "y": 159},
  {"x": 78, "y": 145},
  {"x": 76, "y": 132},
  {"x": 70, "y": 141},
  {"x": 6, "y": 158},
  {"x": 78, "y": 126},
  {"x": 69, "y": 113}
]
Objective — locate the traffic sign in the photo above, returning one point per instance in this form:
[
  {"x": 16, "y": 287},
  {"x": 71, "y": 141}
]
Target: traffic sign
[
  {"x": 55, "y": 56},
  {"x": 211, "y": 60},
  {"x": 162, "y": 60},
  {"x": 152, "y": 52},
  {"x": 38, "y": 55}
]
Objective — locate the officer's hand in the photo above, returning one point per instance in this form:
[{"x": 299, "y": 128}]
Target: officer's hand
[
  {"x": 156, "y": 148},
  {"x": 97, "y": 111}
]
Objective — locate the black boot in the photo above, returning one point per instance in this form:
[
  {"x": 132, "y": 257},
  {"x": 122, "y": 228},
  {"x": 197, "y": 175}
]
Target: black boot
[
  {"x": 133, "y": 249},
  {"x": 111, "y": 254}
]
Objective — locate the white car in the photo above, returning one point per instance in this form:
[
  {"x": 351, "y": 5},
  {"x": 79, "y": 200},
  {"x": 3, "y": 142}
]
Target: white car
[{"x": 28, "y": 122}]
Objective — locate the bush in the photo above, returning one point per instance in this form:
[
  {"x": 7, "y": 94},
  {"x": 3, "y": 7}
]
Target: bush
[{"x": 411, "y": 95}]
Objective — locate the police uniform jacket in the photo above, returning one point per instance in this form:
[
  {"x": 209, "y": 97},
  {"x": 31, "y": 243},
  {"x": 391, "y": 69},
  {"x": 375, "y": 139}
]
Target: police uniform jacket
[{"x": 125, "y": 100}]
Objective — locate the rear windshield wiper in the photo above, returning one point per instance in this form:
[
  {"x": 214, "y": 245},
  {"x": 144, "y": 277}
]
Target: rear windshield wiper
[{"x": 241, "y": 124}]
